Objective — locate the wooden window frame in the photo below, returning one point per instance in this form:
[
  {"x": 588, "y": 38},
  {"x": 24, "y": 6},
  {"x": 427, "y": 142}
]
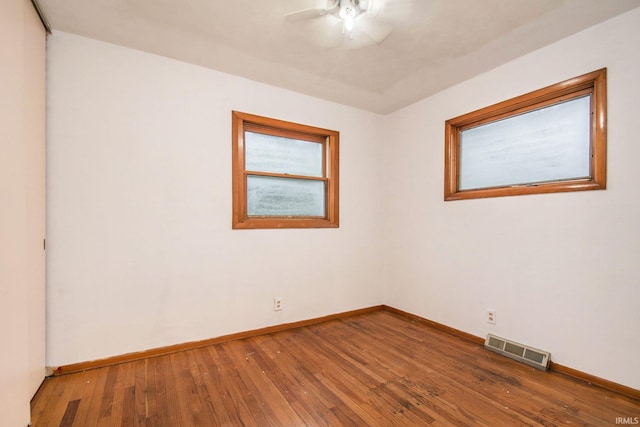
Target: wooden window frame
[
  {"x": 593, "y": 83},
  {"x": 330, "y": 139}
]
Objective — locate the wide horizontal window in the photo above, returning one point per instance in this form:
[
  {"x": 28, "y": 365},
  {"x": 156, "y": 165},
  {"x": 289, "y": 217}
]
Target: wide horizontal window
[
  {"x": 550, "y": 140},
  {"x": 285, "y": 175}
]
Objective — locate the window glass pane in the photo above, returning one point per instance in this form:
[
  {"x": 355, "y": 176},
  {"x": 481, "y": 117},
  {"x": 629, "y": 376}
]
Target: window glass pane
[
  {"x": 271, "y": 196},
  {"x": 549, "y": 144},
  {"x": 267, "y": 153}
]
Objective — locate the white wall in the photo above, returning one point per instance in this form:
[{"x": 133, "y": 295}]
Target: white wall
[
  {"x": 562, "y": 270},
  {"x": 140, "y": 248},
  {"x": 22, "y": 120},
  {"x": 141, "y": 253}
]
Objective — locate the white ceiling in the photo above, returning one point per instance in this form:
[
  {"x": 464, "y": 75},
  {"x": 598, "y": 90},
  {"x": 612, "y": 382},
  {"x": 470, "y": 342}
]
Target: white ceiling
[{"x": 434, "y": 44}]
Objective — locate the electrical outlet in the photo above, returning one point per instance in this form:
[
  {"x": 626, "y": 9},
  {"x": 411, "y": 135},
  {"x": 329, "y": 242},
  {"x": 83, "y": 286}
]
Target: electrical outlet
[
  {"x": 491, "y": 316},
  {"x": 277, "y": 304}
]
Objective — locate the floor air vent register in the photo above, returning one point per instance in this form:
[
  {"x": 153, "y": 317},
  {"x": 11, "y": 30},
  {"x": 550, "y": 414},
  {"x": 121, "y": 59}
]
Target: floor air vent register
[{"x": 522, "y": 353}]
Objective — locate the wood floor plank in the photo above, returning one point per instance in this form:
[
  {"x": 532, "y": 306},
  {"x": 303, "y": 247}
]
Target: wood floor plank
[
  {"x": 164, "y": 390},
  {"x": 552, "y": 393},
  {"x": 265, "y": 415},
  {"x": 275, "y": 404},
  {"x": 238, "y": 400},
  {"x": 403, "y": 369},
  {"x": 349, "y": 374},
  {"x": 92, "y": 387},
  {"x": 55, "y": 399},
  {"x": 213, "y": 390},
  {"x": 128, "y": 416},
  {"x": 484, "y": 408},
  {"x": 310, "y": 399},
  {"x": 123, "y": 381},
  {"x": 70, "y": 414},
  {"x": 144, "y": 401},
  {"x": 188, "y": 401},
  {"x": 43, "y": 400},
  {"x": 106, "y": 402},
  {"x": 375, "y": 369},
  {"x": 411, "y": 369},
  {"x": 386, "y": 389}
]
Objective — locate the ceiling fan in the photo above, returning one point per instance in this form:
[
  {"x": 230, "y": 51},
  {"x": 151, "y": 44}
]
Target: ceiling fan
[{"x": 357, "y": 17}]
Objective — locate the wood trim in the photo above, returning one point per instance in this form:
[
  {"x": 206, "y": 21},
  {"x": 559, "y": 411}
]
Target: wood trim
[
  {"x": 160, "y": 351},
  {"x": 593, "y": 83},
  {"x": 435, "y": 325},
  {"x": 238, "y": 181},
  {"x": 286, "y": 175},
  {"x": 596, "y": 381},
  {"x": 283, "y": 130},
  {"x": 599, "y": 129},
  {"x": 330, "y": 140},
  {"x": 553, "y": 367},
  {"x": 130, "y": 357}
]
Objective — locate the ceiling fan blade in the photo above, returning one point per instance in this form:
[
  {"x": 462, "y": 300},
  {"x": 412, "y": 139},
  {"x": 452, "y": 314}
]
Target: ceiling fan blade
[
  {"x": 321, "y": 8},
  {"x": 303, "y": 14},
  {"x": 377, "y": 30},
  {"x": 373, "y": 7}
]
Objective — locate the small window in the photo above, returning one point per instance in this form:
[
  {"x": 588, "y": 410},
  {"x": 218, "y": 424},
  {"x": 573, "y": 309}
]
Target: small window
[
  {"x": 285, "y": 175},
  {"x": 550, "y": 140}
]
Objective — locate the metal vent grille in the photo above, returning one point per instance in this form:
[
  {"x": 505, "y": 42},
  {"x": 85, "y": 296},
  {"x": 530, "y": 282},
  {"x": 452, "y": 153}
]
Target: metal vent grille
[
  {"x": 522, "y": 353},
  {"x": 514, "y": 349},
  {"x": 496, "y": 343},
  {"x": 534, "y": 356}
]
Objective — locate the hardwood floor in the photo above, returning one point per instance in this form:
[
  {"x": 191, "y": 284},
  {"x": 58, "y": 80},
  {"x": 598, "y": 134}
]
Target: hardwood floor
[{"x": 374, "y": 369}]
